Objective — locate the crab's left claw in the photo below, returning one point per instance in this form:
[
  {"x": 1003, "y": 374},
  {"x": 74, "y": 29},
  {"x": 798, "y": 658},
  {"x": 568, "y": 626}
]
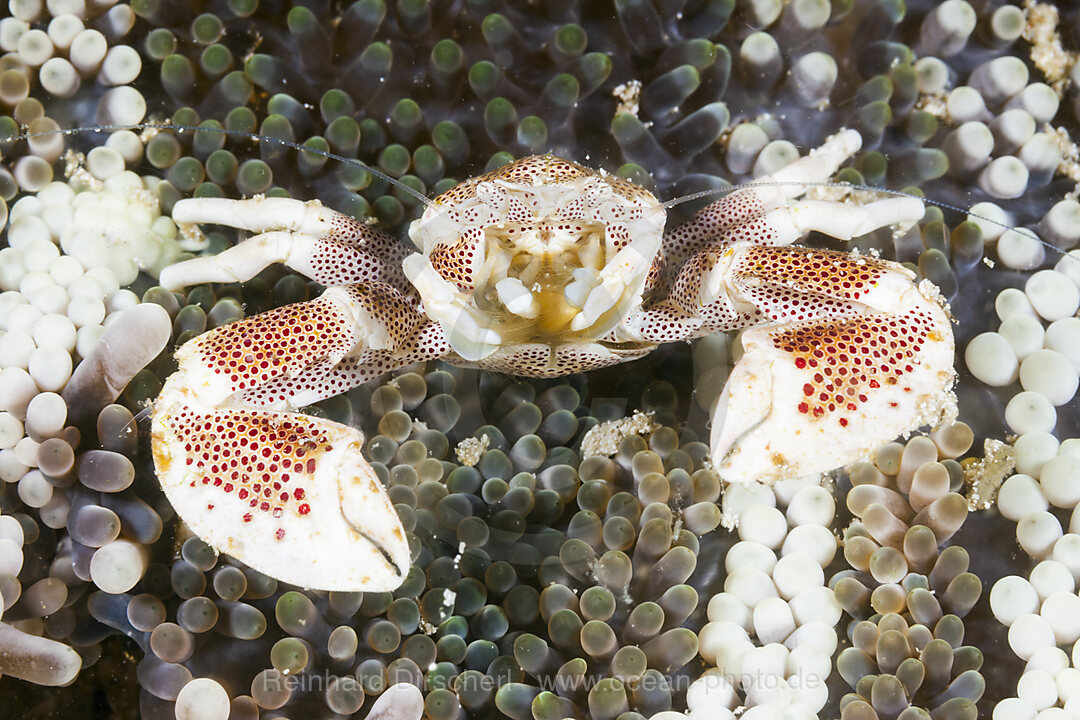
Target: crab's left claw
[
  {"x": 812, "y": 395},
  {"x": 288, "y": 494}
]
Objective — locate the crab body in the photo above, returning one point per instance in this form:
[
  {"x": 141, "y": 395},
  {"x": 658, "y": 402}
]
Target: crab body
[
  {"x": 542, "y": 253},
  {"x": 541, "y": 268}
]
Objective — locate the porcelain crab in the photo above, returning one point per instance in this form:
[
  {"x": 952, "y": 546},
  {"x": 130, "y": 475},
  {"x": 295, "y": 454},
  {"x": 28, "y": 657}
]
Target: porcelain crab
[{"x": 540, "y": 268}]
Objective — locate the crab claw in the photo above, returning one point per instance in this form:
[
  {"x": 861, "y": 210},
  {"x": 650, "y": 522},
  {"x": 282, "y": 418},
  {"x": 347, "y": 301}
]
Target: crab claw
[
  {"x": 812, "y": 395},
  {"x": 288, "y": 494}
]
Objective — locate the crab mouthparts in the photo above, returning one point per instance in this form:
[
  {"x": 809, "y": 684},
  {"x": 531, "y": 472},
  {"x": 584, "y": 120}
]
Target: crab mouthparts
[
  {"x": 556, "y": 276},
  {"x": 541, "y": 251},
  {"x": 549, "y": 303},
  {"x": 547, "y": 282}
]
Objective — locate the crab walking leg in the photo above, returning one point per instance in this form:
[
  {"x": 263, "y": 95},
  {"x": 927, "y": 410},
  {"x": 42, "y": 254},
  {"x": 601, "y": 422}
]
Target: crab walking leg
[
  {"x": 546, "y": 361},
  {"x": 322, "y": 244},
  {"x": 288, "y": 494},
  {"x": 843, "y": 221},
  {"x": 768, "y": 193},
  {"x": 813, "y": 393}
]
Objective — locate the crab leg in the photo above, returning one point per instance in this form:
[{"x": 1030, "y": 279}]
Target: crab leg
[
  {"x": 295, "y": 346},
  {"x": 322, "y": 244},
  {"x": 539, "y": 360},
  {"x": 784, "y": 225},
  {"x": 427, "y": 343},
  {"x": 770, "y": 192},
  {"x": 289, "y": 494}
]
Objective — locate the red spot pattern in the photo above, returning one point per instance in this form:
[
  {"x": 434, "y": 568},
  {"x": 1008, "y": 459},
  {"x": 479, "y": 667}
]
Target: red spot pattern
[
  {"x": 322, "y": 379},
  {"x": 796, "y": 283},
  {"x": 670, "y": 320},
  {"x": 516, "y": 210},
  {"x": 832, "y": 273},
  {"x": 457, "y": 262},
  {"x": 279, "y": 342},
  {"x": 612, "y": 214},
  {"x": 536, "y": 360},
  {"x": 709, "y": 225},
  {"x": 686, "y": 293},
  {"x": 547, "y": 169},
  {"x": 656, "y": 274},
  {"x": 785, "y": 284},
  {"x": 843, "y": 361},
  {"x": 759, "y": 231},
  {"x": 627, "y": 189},
  {"x": 388, "y": 308},
  {"x": 263, "y": 460},
  {"x": 353, "y": 251},
  {"x": 574, "y": 209},
  {"x": 667, "y": 323},
  {"x": 617, "y": 236},
  {"x": 343, "y": 227}
]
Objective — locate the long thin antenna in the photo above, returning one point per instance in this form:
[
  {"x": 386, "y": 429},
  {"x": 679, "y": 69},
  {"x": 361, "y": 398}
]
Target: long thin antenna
[
  {"x": 712, "y": 192},
  {"x": 869, "y": 188}
]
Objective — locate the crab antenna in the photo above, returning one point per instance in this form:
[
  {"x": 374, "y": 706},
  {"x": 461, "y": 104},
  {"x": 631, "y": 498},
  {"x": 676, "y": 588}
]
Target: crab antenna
[
  {"x": 870, "y": 188},
  {"x": 232, "y": 133},
  {"x": 711, "y": 192}
]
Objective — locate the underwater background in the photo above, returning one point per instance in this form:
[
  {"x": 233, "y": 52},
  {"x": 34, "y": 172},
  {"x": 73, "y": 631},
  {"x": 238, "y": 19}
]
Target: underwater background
[{"x": 620, "y": 586}]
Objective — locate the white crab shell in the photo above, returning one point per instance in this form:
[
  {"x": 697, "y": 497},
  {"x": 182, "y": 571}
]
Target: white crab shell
[{"x": 542, "y": 250}]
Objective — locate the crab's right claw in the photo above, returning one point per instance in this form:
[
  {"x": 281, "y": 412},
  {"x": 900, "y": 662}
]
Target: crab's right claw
[
  {"x": 810, "y": 396},
  {"x": 288, "y": 494}
]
